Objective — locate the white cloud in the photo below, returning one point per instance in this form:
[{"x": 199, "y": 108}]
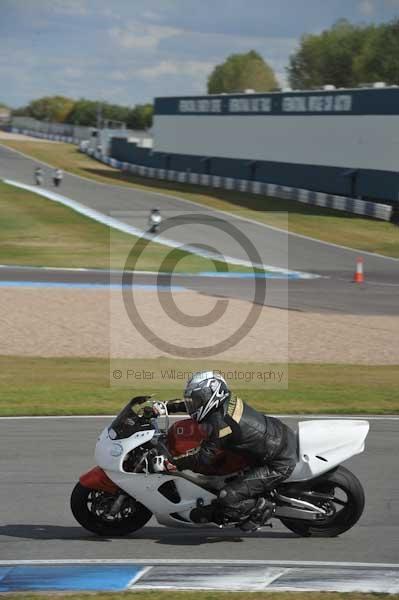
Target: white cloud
[
  {"x": 119, "y": 76},
  {"x": 151, "y": 15},
  {"x": 190, "y": 68},
  {"x": 366, "y": 8},
  {"x": 140, "y": 36},
  {"x": 73, "y": 72},
  {"x": 369, "y": 8},
  {"x": 77, "y": 8}
]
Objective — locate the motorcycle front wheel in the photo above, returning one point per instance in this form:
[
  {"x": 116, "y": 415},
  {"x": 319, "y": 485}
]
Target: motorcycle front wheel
[
  {"x": 346, "y": 506},
  {"x": 91, "y": 509}
]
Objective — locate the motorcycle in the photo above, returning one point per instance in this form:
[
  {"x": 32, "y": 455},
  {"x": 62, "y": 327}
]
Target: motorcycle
[
  {"x": 154, "y": 222},
  {"x": 119, "y": 495}
]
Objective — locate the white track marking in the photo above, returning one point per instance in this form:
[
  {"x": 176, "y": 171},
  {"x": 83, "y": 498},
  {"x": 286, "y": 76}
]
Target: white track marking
[
  {"x": 244, "y": 577},
  {"x": 305, "y": 416},
  {"x": 139, "y": 575},
  {"x": 114, "y": 223},
  {"x": 202, "y": 561},
  {"x": 44, "y": 268},
  {"x": 202, "y": 275},
  {"x": 271, "y": 578},
  {"x": 241, "y": 575},
  {"x": 223, "y": 212}
]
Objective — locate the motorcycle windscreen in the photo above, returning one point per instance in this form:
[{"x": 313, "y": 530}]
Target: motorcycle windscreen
[{"x": 135, "y": 416}]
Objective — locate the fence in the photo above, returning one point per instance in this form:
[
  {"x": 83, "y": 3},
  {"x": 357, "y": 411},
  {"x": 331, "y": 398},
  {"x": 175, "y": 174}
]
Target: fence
[
  {"x": 342, "y": 203},
  {"x": 352, "y": 205}
]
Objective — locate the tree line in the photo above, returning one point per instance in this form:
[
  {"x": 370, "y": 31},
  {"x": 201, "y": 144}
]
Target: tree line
[
  {"x": 60, "y": 109},
  {"x": 345, "y": 55}
]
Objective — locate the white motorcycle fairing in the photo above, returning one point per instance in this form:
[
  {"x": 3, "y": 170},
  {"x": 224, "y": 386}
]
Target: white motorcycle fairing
[
  {"x": 144, "y": 488},
  {"x": 323, "y": 445}
]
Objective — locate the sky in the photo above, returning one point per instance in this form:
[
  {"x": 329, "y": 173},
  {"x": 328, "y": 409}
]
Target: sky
[{"x": 129, "y": 51}]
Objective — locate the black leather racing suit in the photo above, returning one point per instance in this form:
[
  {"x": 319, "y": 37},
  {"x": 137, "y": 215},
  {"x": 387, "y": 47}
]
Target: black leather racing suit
[{"x": 238, "y": 427}]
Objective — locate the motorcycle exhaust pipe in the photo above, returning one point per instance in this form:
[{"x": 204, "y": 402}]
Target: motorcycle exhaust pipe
[{"x": 302, "y": 504}]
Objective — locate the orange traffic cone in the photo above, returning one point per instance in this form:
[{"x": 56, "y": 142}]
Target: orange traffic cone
[{"x": 359, "y": 275}]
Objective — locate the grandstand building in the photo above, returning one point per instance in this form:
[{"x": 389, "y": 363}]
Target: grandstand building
[{"x": 339, "y": 141}]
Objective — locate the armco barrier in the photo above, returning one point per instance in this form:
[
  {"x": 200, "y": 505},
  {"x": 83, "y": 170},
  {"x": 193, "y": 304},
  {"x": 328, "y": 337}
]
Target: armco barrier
[
  {"x": 352, "y": 205},
  {"x": 47, "y": 136}
]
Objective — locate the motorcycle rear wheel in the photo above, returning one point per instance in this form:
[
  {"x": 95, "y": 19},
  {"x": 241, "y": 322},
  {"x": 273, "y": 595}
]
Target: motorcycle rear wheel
[
  {"x": 89, "y": 509},
  {"x": 344, "y": 483}
]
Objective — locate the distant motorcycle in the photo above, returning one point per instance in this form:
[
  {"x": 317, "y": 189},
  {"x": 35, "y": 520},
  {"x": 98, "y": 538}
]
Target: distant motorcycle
[
  {"x": 154, "y": 221},
  {"x": 38, "y": 176},
  {"x": 117, "y": 497}
]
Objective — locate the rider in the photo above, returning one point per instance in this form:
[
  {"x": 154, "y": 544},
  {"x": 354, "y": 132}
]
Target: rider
[
  {"x": 57, "y": 177},
  {"x": 232, "y": 424},
  {"x": 154, "y": 218},
  {"x": 39, "y": 176}
]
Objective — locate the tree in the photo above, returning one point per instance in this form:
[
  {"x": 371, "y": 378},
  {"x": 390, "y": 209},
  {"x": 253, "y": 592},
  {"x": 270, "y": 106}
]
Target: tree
[
  {"x": 84, "y": 112},
  {"x": 51, "y": 108},
  {"x": 240, "y": 72},
  {"x": 140, "y": 117},
  {"x": 21, "y": 111},
  {"x": 329, "y": 58},
  {"x": 115, "y": 112},
  {"x": 379, "y": 59},
  {"x": 347, "y": 55}
]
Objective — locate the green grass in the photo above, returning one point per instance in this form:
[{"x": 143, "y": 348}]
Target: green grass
[
  {"x": 216, "y": 595},
  {"x": 324, "y": 224},
  {"x": 38, "y": 232},
  {"x": 73, "y": 386}
]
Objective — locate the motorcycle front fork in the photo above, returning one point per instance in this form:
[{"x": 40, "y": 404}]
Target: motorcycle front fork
[{"x": 117, "y": 505}]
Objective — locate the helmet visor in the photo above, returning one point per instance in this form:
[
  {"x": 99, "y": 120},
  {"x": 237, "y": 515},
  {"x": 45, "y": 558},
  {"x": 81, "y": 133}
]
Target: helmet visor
[{"x": 193, "y": 405}]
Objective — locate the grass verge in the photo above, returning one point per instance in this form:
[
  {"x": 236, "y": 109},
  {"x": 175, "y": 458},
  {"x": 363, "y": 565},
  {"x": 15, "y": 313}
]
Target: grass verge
[
  {"x": 320, "y": 223},
  {"x": 216, "y": 595},
  {"x": 76, "y": 386},
  {"x": 38, "y": 232}
]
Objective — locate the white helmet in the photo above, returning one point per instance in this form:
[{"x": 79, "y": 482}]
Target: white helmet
[{"x": 204, "y": 394}]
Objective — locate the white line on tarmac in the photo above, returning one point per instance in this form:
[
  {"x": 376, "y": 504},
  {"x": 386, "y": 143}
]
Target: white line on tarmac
[
  {"x": 203, "y": 561},
  {"x": 305, "y": 416},
  {"x": 138, "y": 576},
  {"x": 114, "y": 223},
  {"x": 223, "y": 212}
]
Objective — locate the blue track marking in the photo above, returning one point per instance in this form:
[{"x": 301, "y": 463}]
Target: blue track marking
[
  {"x": 91, "y": 286},
  {"x": 94, "y": 578},
  {"x": 249, "y": 275},
  {"x": 169, "y": 574},
  {"x": 3, "y": 572}
]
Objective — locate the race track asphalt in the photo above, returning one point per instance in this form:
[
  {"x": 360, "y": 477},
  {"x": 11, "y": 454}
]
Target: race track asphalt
[
  {"x": 333, "y": 292},
  {"x": 41, "y": 460},
  {"x": 317, "y": 295}
]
